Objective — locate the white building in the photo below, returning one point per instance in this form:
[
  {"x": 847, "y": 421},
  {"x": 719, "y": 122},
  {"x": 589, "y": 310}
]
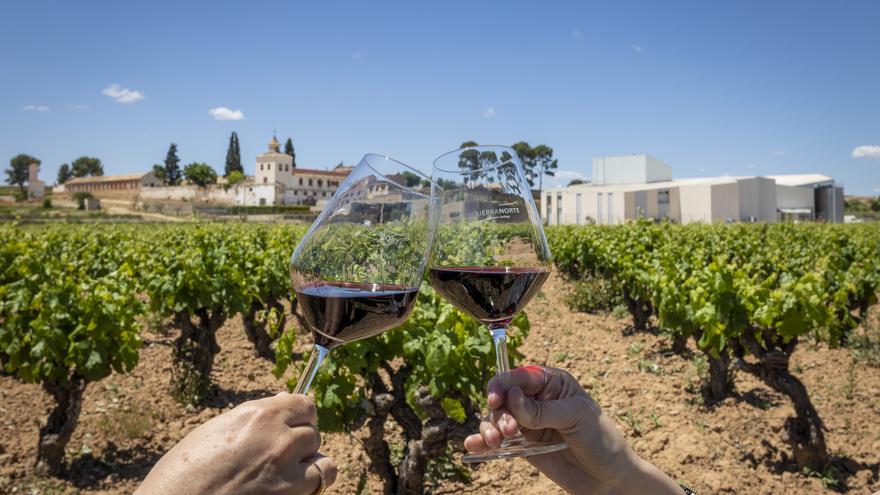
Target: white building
[
  {"x": 277, "y": 182},
  {"x": 629, "y": 187}
]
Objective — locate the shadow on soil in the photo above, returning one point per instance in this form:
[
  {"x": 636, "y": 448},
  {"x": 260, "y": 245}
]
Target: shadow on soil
[{"x": 114, "y": 464}]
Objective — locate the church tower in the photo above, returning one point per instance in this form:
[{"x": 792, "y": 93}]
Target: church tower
[{"x": 274, "y": 166}]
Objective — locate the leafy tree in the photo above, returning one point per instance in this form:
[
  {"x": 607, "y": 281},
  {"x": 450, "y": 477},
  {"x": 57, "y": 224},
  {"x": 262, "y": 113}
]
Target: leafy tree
[
  {"x": 288, "y": 150},
  {"x": 85, "y": 166},
  {"x": 526, "y": 155},
  {"x": 172, "y": 167},
  {"x": 410, "y": 179},
  {"x": 159, "y": 172},
  {"x": 234, "y": 178},
  {"x": 545, "y": 164},
  {"x": 233, "y": 155},
  {"x": 468, "y": 144},
  {"x": 200, "y": 174},
  {"x": 875, "y": 204},
  {"x": 64, "y": 173},
  {"x": 575, "y": 182},
  {"x": 17, "y": 173}
]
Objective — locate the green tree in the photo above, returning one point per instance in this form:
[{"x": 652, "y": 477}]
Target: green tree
[
  {"x": 234, "y": 178},
  {"x": 159, "y": 172},
  {"x": 288, "y": 150},
  {"x": 526, "y": 155},
  {"x": 575, "y": 182},
  {"x": 64, "y": 173},
  {"x": 233, "y": 156},
  {"x": 545, "y": 164},
  {"x": 875, "y": 204},
  {"x": 172, "y": 167},
  {"x": 200, "y": 174},
  {"x": 85, "y": 166},
  {"x": 410, "y": 179},
  {"x": 468, "y": 144},
  {"x": 17, "y": 173}
]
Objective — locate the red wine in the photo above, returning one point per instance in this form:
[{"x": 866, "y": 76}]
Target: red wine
[
  {"x": 491, "y": 294},
  {"x": 338, "y": 312}
]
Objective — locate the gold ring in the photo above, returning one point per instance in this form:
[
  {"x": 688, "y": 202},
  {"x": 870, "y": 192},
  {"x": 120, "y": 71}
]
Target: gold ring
[{"x": 323, "y": 485}]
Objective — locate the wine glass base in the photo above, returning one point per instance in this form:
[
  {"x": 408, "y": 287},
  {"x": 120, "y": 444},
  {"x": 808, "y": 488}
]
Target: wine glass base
[{"x": 515, "y": 447}]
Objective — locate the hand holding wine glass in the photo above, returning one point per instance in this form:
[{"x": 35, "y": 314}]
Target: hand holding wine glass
[{"x": 551, "y": 406}]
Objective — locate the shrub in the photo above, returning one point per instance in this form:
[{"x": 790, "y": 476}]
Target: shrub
[{"x": 593, "y": 294}]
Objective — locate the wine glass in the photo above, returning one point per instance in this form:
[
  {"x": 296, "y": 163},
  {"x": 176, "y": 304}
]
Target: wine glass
[
  {"x": 490, "y": 255},
  {"x": 357, "y": 271}
]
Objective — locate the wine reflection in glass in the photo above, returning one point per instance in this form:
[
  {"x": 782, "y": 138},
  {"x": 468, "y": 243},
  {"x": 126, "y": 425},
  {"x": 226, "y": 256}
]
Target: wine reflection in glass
[
  {"x": 490, "y": 256},
  {"x": 357, "y": 271}
]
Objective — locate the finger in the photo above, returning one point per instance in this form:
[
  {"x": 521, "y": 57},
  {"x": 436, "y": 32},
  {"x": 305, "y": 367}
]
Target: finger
[
  {"x": 531, "y": 379},
  {"x": 475, "y": 444},
  {"x": 298, "y": 409},
  {"x": 316, "y": 465},
  {"x": 305, "y": 441},
  {"x": 561, "y": 415},
  {"x": 490, "y": 434}
]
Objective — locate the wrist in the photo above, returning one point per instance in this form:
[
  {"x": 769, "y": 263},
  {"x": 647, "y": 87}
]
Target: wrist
[{"x": 640, "y": 476}]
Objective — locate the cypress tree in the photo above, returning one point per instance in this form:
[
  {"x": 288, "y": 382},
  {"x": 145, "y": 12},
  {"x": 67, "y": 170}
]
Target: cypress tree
[
  {"x": 288, "y": 150},
  {"x": 233, "y": 156},
  {"x": 172, "y": 169}
]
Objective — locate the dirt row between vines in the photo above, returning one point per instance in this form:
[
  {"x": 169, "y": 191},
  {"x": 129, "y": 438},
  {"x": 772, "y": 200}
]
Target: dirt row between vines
[{"x": 128, "y": 421}]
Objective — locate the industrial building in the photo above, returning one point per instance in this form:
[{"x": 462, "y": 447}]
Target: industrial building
[{"x": 641, "y": 186}]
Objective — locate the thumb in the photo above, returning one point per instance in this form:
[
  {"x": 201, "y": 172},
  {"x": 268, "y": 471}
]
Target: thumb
[{"x": 559, "y": 414}]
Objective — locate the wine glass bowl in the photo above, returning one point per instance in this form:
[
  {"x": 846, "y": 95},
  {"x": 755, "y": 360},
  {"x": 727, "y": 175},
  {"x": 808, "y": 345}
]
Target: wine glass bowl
[
  {"x": 357, "y": 271},
  {"x": 490, "y": 255}
]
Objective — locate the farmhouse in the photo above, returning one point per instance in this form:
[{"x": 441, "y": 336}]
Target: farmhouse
[
  {"x": 113, "y": 185},
  {"x": 641, "y": 186}
]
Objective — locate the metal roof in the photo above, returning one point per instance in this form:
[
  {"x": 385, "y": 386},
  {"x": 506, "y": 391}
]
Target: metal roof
[
  {"x": 107, "y": 178},
  {"x": 800, "y": 179}
]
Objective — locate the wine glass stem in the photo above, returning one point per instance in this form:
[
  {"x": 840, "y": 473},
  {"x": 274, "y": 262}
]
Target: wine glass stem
[
  {"x": 305, "y": 379},
  {"x": 502, "y": 362}
]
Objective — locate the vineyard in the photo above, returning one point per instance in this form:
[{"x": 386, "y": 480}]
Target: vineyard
[{"x": 79, "y": 302}]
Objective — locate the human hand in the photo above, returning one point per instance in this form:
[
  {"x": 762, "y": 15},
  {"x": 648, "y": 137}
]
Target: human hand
[
  {"x": 262, "y": 446},
  {"x": 551, "y": 406}
]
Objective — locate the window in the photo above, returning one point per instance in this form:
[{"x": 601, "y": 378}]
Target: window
[
  {"x": 286, "y": 168},
  {"x": 548, "y": 207},
  {"x": 663, "y": 204},
  {"x": 295, "y": 193},
  {"x": 610, "y": 208},
  {"x": 300, "y": 181},
  {"x": 261, "y": 167},
  {"x": 310, "y": 182},
  {"x": 577, "y": 208},
  {"x": 265, "y": 180},
  {"x": 599, "y": 208},
  {"x": 320, "y": 183},
  {"x": 324, "y": 194},
  {"x": 558, "y": 209}
]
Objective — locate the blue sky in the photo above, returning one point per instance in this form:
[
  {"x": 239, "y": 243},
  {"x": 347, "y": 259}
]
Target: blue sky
[{"x": 741, "y": 87}]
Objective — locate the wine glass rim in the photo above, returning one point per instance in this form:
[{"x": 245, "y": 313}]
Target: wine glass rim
[
  {"x": 366, "y": 159},
  {"x": 478, "y": 147}
]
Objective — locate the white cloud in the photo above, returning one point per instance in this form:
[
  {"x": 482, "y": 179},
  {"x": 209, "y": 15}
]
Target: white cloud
[
  {"x": 357, "y": 55},
  {"x": 77, "y": 106},
  {"x": 223, "y": 113},
  {"x": 751, "y": 165},
  {"x": 35, "y": 108},
  {"x": 867, "y": 152},
  {"x": 568, "y": 174},
  {"x": 638, "y": 49},
  {"x": 122, "y": 95},
  {"x": 576, "y": 33},
  {"x": 489, "y": 113},
  {"x": 779, "y": 152}
]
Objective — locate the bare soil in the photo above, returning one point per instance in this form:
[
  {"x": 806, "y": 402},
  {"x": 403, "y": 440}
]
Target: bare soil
[{"x": 128, "y": 421}]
